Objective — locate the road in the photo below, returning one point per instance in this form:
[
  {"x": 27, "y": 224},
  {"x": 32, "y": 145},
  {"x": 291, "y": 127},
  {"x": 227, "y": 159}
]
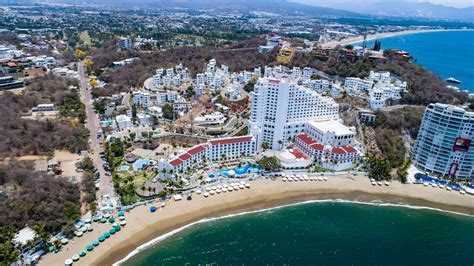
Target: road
[{"x": 105, "y": 185}]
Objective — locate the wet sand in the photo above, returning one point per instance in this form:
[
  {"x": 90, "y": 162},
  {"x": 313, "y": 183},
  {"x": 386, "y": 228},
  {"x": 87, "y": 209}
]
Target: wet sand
[{"x": 144, "y": 226}]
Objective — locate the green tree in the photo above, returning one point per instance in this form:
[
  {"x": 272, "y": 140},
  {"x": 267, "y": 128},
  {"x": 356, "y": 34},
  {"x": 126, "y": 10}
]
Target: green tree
[
  {"x": 379, "y": 168},
  {"x": 270, "y": 163},
  {"x": 8, "y": 253},
  {"x": 168, "y": 112}
]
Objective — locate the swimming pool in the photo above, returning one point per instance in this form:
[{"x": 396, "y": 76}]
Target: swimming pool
[
  {"x": 249, "y": 168},
  {"x": 423, "y": 178},
  {"x": 123, "y": 168},
  {"x": 140, "y": 163}
]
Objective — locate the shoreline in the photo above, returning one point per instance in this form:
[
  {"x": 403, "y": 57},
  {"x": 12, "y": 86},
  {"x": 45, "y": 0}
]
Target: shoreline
[
  {"x": 351, "y": 40},
  {"x": 143, "y": 226}
]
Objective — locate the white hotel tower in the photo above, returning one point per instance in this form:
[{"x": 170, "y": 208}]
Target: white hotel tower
[
  {"x": 444, "y": 143},
  {"x": 281, "y": 108}
]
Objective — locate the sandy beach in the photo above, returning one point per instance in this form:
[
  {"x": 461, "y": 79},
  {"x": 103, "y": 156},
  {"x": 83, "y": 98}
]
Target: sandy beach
[
  {"x": 144, "y": 226},
  {"x": 351, "y": 40}
]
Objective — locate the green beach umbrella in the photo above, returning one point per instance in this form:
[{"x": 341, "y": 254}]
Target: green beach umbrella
[
  {"x": 101, "y": 238},
  {"x": 111, "y": 220},
  {"x": 112, "y": 231},
  {"x": 103, "y": 220},
  {"x": 90, "y": 247},
  {"x": 95, "y": 243},
  {"x": 82, "y": 253},
  {"x": 107, "y": 235},
  {"x": 121, "y": 213},
  {"x": 114, "y": 224},
  {"x": 117, "y": 228},
  {"x": 75, "y": 257}
]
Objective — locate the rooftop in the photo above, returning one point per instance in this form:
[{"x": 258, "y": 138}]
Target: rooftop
[{"x": 331, "y": 126}]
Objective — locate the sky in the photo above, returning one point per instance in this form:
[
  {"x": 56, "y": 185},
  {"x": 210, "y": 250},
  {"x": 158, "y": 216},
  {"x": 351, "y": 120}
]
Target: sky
[{"x": 452, "y": 3}]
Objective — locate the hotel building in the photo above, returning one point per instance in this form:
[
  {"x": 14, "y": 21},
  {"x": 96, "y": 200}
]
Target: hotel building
[
  {"x": 280, "y": 110},
  {"x": 444, "y": 143},
  {"x": 214, "y": 150}
]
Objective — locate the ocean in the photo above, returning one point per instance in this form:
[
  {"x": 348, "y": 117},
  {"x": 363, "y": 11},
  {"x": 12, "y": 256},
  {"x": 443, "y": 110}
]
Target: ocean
[
  {"x": 446, "y": 53},
  {"x": 320, "y": 233}
]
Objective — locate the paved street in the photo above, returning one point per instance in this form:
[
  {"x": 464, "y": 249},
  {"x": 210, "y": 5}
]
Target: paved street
[{"x": 92, "y": 123}]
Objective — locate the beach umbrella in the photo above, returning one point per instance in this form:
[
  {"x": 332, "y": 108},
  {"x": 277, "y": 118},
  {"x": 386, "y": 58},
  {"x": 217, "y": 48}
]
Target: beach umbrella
[
  {"x": 64, "y": 241},
  {"x": 82, "y": 253},
  {"x": 114, "y": 224},
  {"x": 107, "y": 215},
  {"x": 122, "y": 223},
  {"x": 83, "y": 229},
  {"x": 103, "y": 220},
  {"x": 75, "y": 257},
  {"x": 101, "y": 238},
  {"x": 88, "y": 221},
  {"x": 117, "y": 228},
  {"x": 121, "y": 218},
  {"x": 90, "y": 247},
  {"x": 106, "y": 234},
  {"x": 95, "y": 243},
  {"x": 79, "y": 234},
  {"x": 111, "y": 220},
  {"x": 68, "y": 262},
  {"x": 121, "y": 213},
  {"x": 96, "y": 218},
  {"x": 152, "y": 208},
  {"x": 90, "y": 229},
  {"x": 112, "y": 231}
]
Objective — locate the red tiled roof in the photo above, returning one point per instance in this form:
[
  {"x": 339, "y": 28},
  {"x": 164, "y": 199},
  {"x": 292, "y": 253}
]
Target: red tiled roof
[
  {"x": 274, "y": 81},
  {"x": 338, "y": 151},
  {"x": 317, "y": 146},
  {"x": 175, "y": 162},
  {"x": 344, "y": 150},
  {"x": 298, "y": 154},
  {"x": 197, "y": 149},
  {"x": 184, "y": 156},
  {"x": 231, "y": 140},
  {"x": 306, "y": 139}
]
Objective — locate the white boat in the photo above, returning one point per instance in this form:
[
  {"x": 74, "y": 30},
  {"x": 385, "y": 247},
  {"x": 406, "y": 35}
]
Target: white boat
[
  {"x": 462, "y": 192},
  {"x": 453, "y": 80},
  {"x": 449, "y": 188}
]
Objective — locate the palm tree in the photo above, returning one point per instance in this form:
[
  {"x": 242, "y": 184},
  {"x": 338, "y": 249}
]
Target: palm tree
[
  {"x": 264, "y": 146},
  {"x": 143, "y": 189},
  {"x": 281, "y": 143},
  {"x": 149, "y": 191},
  {"x": 154, "y": 190}
]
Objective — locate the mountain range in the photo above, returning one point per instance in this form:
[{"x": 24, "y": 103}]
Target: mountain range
[{"x": 400, "y": 8}]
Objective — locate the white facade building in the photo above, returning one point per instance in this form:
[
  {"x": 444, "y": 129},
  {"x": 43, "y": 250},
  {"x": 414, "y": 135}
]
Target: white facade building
[
  {"x": 444, "y": 144},
  {"x": 123, "y": 122},
  {"x": 280, "y": 110}
]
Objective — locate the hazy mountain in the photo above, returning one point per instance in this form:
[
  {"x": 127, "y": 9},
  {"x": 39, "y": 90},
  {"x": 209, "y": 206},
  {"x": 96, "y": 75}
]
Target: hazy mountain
[
  {"x": 275, "y": 6},
  {"x": 399, "y": 8}
]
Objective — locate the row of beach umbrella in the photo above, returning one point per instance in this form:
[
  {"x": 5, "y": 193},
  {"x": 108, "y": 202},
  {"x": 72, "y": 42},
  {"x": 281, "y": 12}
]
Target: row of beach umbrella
[
  {"x": 291, "y": 178},
  {"x": 115, "y": 228},
  {"x": 223, "y": 188}
]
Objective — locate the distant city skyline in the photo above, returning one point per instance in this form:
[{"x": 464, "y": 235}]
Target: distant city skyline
[{"x": 450, "y": 3}]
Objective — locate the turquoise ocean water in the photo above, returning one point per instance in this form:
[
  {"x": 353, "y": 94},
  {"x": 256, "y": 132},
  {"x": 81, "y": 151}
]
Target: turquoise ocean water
[
  {"x": 321, "y": 233},
  {"x": 447, "y": 53}
]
